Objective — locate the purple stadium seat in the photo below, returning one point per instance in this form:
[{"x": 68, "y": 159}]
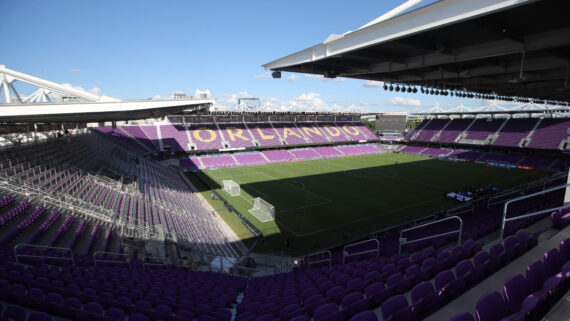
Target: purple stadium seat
[
  {"x": 447, "y": 285},
  {"x": 336, "y": 293},
  {"x": 416, "y": 274},
  {"x": 462, "y": 317},
  {"x": 205, "y": 317},
  {"x": 372, "y": 276},
  {"x": 245, "y": 316},
  {"x": 482, "y": 263},
  {"x": 301, "y": 318},
  {"x": 268, "y": 308},
  {"x": 398, "y": 283},
  {"x": 93, "y": 308},
  {"x": 431, "y": 266},
  {"x": 497, "y": 254},
  {"x": 396, "y": 308},
  {"x": 515, "y": 291},
  {"x": 365, "y": 316},
  {"x": 376, "y": 293},
  {"x": 39, "y": 316},
  {"x": 464, "y": 271},
  {"x": 512, "y": 247},
  {"x": 265, "y": 317},
  {"x": 553, "y": 261},
  {"x": 138, "y": 317},
  {"x": 290, "y": 311},
  {"x": 527, "y": 307},
  {"x": 15, "y": 313},
  {"x": 424, "y": 298},
  {"x": 354, "y": 303},
  {"x": 115, "y": 313},
  {"x": 490, "y": 307},
  {"x": 313, "y": 302},
  {"x": 565, "y": 250},
  {"x": 328, "y": 311}
]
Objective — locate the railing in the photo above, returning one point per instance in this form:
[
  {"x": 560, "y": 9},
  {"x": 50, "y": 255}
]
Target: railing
[
  {"x": 309, "y": 262},
  {"x": 404, "y": 241},
  {"x": 46, "y": 256},
  {"x": 507, "y": 203},
  {"x": 500, "y": 198},
  {"x": 346, "y": 254},
  {"x": 465, "y": 208},
  {"x": 105, "y": 260},
  {"x": 154, "y": 261},
  {"x": 220, "y": 266}
]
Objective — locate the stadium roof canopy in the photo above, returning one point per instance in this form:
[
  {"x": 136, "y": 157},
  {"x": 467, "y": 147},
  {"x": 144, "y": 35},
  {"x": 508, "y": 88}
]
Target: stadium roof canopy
[
  {"x": 76, "y": 105},
  {"x": 515, "y": 48}
]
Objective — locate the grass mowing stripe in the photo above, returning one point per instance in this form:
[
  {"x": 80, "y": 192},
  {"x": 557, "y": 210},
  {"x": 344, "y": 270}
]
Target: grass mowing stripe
[{"x": 326, "y": 201}]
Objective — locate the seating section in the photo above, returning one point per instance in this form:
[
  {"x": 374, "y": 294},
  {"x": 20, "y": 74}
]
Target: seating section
[
  {"x": 237, "y": 135},
  {"x": 175, "y": 136},
  {"x": 515, "y": 130},
  {"x": 430, "y": 129},
  {"x": 514, "y": 160},
  {"x": 484, "y": 127},
  {"x": 86, "y": 173},
  {"x": 253, "y": 158},
  {"x": 276, "y": 156},
  {"x": 115, "y": 293},
  {"x": 456, "y": 127},
  {"x": 208, "y": 136},
  {"x": 531, "y": 295},
  {"x": 550, "y": 134}
]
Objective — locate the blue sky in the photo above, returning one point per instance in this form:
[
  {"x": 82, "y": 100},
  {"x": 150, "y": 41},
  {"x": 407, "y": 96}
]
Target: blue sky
[{"x": 143, "y": 49}]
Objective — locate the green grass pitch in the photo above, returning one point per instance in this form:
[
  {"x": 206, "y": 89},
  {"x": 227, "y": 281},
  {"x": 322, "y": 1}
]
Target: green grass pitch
[{"x": 321, "y": 203}]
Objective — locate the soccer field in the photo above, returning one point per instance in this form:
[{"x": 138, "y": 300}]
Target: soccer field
[{"x": 324, "y": 202}]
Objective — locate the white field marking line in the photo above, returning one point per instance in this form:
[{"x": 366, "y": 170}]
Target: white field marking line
[
  {"x": 297, "y": 187},
  {"x": 220, "y": 179},
  {"x": 359, "y": 220},
  {"x": 306, "y": 206},
  {"x": 385, "y": 176}
]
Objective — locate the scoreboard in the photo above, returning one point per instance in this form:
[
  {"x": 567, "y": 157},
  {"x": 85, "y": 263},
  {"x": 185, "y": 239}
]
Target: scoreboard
[{"x": 390, "y": 122}]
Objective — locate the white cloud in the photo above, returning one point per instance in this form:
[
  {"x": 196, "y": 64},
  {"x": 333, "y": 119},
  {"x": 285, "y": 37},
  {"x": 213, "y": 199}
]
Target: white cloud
[
  {"x": 231, "y": 99},
  {"x": 313, "y": 101},
  {"x": 401, "y": 101},
  {"x": 76, "y": 70},
  {"x": 95, "y": 91},
  {"x": 373, "y": 84},
  {"x": 292, "y": 78},
  {"x": 323, "y": 79},
  {"x": 263, "y": 75}
]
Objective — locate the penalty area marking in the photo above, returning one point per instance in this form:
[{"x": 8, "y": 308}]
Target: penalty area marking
[{"x": 357, "y": 221}]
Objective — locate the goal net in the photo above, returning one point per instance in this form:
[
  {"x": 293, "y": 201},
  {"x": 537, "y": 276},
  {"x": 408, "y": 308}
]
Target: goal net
[
  {"x": 231, "y": 187},
  {"x": 262, "y": 210}
]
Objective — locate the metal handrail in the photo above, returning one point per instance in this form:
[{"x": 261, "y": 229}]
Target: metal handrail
[
  {"x": 95, "y": 260},
  {"x": 459, "y": 209},
  {"x": 404, "y": 241},
  {"x": 507, "y": 203},
  {"x": 491, "y": 201},
  {"x": 154, "y": 261},
  {"x": 345, "y": 254},
  {"x": 319, "y": 261},
  {"x": 17, "y": 255}
]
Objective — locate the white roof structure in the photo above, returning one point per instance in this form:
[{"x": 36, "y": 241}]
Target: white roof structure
[
  {"x": 77, "y": 105},
  {"x": 499, "y": 48}
]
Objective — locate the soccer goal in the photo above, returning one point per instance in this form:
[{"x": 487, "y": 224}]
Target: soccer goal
[
  {"x": 231, "y": 187},
  {"x": 262, "y": 210}
]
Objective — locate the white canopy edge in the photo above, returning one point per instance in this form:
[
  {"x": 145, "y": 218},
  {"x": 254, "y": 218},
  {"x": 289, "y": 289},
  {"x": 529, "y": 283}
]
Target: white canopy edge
[
  {"x": 94, "y": 107},
  {"x": 429, "y": 17}
]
